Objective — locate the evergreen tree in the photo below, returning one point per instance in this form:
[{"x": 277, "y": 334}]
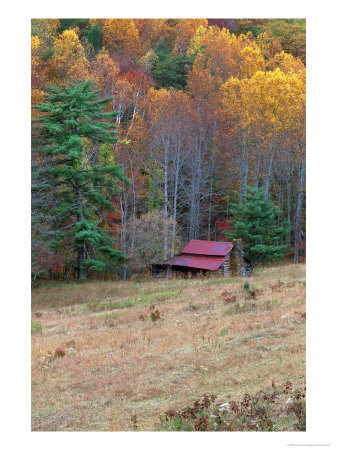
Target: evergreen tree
[
  {"x": 170, "y": 70},
  {"x": 255, "y": 222},
  {"x": 82, "y": 25},
  {"x": 79, "y": 170},
  {"x": 95, "y": 37}
]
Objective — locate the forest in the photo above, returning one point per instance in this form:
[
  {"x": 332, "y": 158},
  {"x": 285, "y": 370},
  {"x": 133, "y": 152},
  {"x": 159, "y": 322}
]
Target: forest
[{"x": 145, "y": 132}]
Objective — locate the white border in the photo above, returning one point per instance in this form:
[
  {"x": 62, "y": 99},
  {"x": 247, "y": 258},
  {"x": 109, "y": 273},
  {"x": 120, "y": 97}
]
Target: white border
[{"x": 321, "y": 224}]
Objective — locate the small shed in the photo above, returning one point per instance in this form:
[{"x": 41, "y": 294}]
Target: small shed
[{"x": 225, "y": 258}]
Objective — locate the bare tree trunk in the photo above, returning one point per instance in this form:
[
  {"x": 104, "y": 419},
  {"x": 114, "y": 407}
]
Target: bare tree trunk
[
  {"x": 81, "y": 270},
  {"x": 175, "y": 195},
  {"x": 257, "y": 167},
  {"x": 297, "y": 222},
  {"x": 288, "y": 196},
  {"x": 243, "y": 169},
  {"x": 123, "y": 208},
  {"x": 210, "y": 198},
  {"x": 269, "y": 169},
  {"x": 195, "y": 191},
  {"x": 165, "y": 244},
  {"x": 280, "y": 198}
]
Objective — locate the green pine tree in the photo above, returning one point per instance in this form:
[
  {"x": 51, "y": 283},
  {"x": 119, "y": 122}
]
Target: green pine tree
[
  {"x": 171, "y": 70},
  {"x": 83, "y": 25},
  {"x": 74, "y": 135},
  {"x": 95, "y": 37},
  {"x": 255, "y": 222}
]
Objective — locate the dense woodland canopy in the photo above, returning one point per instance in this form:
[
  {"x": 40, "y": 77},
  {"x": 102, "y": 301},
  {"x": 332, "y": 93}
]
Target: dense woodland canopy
[{"x": 205, "y": 109}]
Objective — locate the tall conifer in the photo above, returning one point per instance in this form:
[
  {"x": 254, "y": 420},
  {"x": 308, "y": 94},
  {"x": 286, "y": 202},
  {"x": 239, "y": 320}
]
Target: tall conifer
[
  {"x": 255, "y": 222},
  {"x": 79, "y": 170}
]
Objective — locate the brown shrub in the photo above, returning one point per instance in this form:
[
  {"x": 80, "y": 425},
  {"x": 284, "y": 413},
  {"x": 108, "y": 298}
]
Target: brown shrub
[{"x": 59, "y": 352}]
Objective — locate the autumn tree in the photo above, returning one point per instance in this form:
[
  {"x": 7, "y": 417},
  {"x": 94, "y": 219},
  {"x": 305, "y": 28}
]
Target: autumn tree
[
  {"x": 150, "y": 32},
  {"x": 185, "y": 31},
  {"x": 120, "y": 36},
  {"x": 264, "y": 108},
  {"x": 104, "y": 71},
  {"x": 82, "y": 25},
  {"x": 206, "y": 119},
  {"x": 289, "y": 33},
  {"x": 268, "y": 45},
  {"x": 69, "y": 62},
  {"x": 46, "y": 30},
  {"x": 38, "y": 73},
  {"x": 206, "y": 108},
  {"x": 225, "y": 54},
  {"x": 83, "y": 183},
  {"x": 286, "y": 62}
]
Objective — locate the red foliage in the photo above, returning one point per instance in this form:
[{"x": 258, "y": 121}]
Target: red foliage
[
  {"x": 230, "y": 24},
  {"x": 110, "y": 222},
  {"x": 301, "y": 252},
  {"x": 221, "y": 226},
  {"x": 125, "y": 63},
  {"x": 138, "y": 78},
  {"x": 44, "y": 260},
  {"x": 59, "y": 352}
]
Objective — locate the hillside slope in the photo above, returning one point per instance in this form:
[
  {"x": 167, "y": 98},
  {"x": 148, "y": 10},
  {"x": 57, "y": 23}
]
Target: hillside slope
[{"x": 105, "y": 354}]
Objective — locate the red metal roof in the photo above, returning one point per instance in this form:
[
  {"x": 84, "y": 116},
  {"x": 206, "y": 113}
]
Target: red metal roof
[
  {"x": 197, "y": 262},
  {"x": 209, "y": 248}
]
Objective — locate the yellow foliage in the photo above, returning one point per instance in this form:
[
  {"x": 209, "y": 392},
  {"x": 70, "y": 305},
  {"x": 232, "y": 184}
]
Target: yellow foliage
[
  {"x": 251, "y": 61},
  {"x": 286, "y": 62},
  {"x": 269, "y": 45},
  {"x": 148, "y": 60},
  {"x": 268, "y": 104},
  {"x": 195, "y": 44},
  {"x": 37, "y": 68},
  {"x": 185, "y": 30},
  {"x": 225, "y": 54},
  {"x": 35, "y": 44},
  {"x": 69, "y": 60}
]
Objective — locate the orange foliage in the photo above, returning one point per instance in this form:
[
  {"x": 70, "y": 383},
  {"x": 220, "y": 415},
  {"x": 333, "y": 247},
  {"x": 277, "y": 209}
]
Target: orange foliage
[
  {"x": 104, "y": 71},
  {"x": 226, "y": 54},
  {"x": 185, "y": 30},
  {"x": 150, "y": 32},
  {"x": 121, "y": 36}
]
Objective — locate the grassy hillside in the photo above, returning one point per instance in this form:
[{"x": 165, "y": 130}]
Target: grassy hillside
[{"x": 118, "y": 355}]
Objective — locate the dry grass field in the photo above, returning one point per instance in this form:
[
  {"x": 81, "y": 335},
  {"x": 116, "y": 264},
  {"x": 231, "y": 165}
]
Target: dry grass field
[{"x": 112, "y": 356}]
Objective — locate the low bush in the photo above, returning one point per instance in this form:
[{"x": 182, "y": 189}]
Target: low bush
[
  {"x": 268, "y": 410},
  {"x": 155, "y": 314}
]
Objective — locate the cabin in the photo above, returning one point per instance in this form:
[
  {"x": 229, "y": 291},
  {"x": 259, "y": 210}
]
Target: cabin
[{"x": 225, "y": 258}]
